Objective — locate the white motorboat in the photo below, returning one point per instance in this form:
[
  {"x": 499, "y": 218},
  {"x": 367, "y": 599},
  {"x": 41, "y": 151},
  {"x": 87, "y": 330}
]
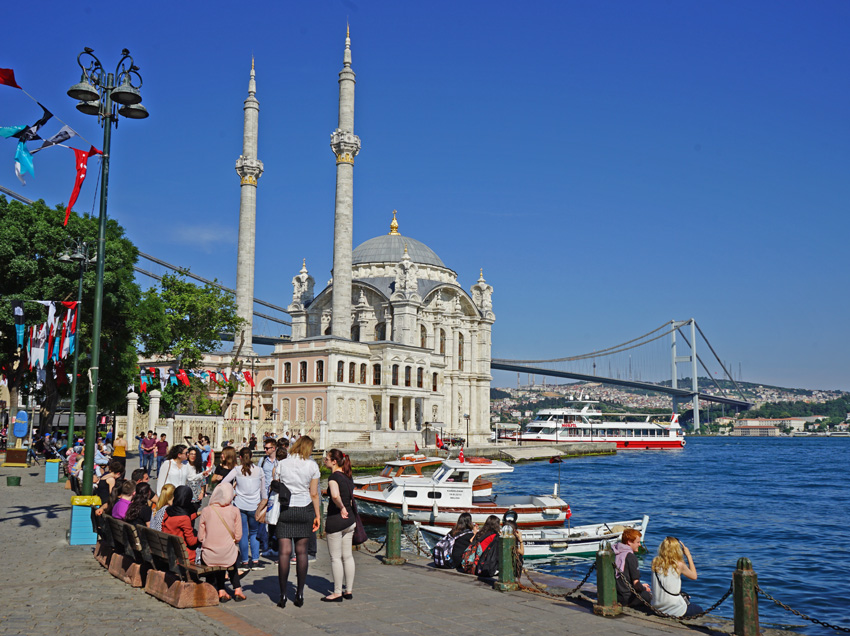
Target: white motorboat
[
  {"x": 412, "y": 466},
  {"x": 440, "y": 498},
  {"x": 549, "y": 542}
]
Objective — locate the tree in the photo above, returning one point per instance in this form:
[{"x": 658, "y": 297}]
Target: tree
[
  {"x": 183, "y": 321},
  {"x": 31, "y": 239}
]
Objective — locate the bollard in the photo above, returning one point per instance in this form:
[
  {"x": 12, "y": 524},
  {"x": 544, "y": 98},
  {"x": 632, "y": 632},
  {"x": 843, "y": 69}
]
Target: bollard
[
  {"x": 321, "y": 534},
  {"x": 744, "y": 594},
  {"x": 393, "y": 541},
  {"x": 507, "y": 576},
  {"x": 606, "y": 584},
  {"x": 13, "y": 480}
]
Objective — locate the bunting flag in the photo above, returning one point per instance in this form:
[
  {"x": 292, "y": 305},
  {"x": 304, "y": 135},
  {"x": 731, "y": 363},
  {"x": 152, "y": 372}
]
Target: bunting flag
[
  {"x": 248, "y": 378},
  {"x": 29, "y": 339},
  {"x": 82, "y": 162},
  {"x": 7, "y": 78},
  {"x": 163, "y": 377},
  {"x": 172, "y": 377},
  {"x": 23, "y": 163},
  {"x": 39, "y": 346},
  {"x": 224, "y": 375},
  {"x": 20, "y": 327},
  {"x": 60, "y": 373},
  {"x": 181, "y": 375},
  {"x": 10, "y": 131},
  {"x": 72, "y": 332},
  {"x": 30, "y": 133},
  {"x": 213, "y": 377},
  {"x": 143, "y": 385},
  {"x": 64, "y": 134}
]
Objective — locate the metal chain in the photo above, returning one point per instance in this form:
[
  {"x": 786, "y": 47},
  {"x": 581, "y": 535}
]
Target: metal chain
[
  {"x": 541, "y": 589},
  {"x": 415, "y": 542},
  {"x": 368, "y": 551},
  {"x": 658, "y": 612},
  {"x": 800, "y": 614}
]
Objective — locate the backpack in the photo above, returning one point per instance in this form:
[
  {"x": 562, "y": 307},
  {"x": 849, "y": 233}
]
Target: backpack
[
  {"x": 442, "y": 552},
  {"x": 481, "y": 558}
]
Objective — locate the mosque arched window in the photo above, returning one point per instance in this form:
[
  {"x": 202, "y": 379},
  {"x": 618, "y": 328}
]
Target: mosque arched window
[
  {"x": 381, "y": 331},
  {"x": 395, "y": 375},
  {"x": 363, "y": 373},
  {"x": 423, "y": 336},
  {"x": 376, "y": 374},
  {"x": 460, "y": 352},
  {"x": 407, "y": 376},
  {"x": 420, "y": 372},
  {"x": 352, "y": 370},
  {"x": 434, "y": 383},
  {"x": 302, "y": 371},
  {"x": 287, "y": 373},
  {"x": 355, "y": 333},
  {"x": 340, "y": 371},
  {"x": 442, "y": 341},
  {"x": 320, "y": 370}
]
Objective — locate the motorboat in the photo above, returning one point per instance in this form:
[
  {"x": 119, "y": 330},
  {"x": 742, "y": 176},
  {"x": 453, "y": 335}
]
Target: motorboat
[
  {"x": 587, "y": 423},
  {"x": 412, "y": 465},
  {"x": 551, "y": 542},
  {"x": 439, "y": 499}
]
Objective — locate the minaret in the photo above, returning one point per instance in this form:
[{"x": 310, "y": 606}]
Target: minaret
[
  {"x": 345, "y": 145},
  {"x": 249, "y": 169}
]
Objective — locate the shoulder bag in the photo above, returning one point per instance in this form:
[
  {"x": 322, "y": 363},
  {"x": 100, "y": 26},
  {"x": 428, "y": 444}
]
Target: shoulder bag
[{"x": 360, "y": 537}]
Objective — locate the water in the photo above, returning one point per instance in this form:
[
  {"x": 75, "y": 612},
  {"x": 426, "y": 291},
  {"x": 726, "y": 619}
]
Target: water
[{"x": 783, "y": 503}]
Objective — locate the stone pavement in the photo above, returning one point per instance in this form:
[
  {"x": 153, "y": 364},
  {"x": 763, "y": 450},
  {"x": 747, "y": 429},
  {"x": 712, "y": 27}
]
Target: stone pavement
[{"x": 49, "y": 587}]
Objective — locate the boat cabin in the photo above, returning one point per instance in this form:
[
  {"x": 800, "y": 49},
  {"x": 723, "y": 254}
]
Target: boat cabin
[{"x": 455, "y": 483}]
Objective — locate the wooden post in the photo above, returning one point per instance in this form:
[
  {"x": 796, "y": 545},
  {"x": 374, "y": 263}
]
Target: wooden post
[
  {"x": 744, "y": 582},
  {"x": 606, "y": 584},
  {"x": 393, "y": 541}
]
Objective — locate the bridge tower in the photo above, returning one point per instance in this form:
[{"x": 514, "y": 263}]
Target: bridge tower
[
  {"x": 249, "y": 169},
  {"x": 345, "y": 145},
  {"x": 692, "y": 358}
]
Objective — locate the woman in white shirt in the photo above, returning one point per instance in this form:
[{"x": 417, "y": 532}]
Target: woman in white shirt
[
  {"x": 250, "y": 486},
  {"x": 300, "y": 474},
  {"x": 667, "y": 571},
  {"x": 176, "y": 472}
]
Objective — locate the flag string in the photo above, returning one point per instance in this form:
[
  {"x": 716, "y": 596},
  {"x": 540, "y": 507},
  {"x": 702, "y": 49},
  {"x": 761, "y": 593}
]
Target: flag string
[{"x": 59, "y": 118}]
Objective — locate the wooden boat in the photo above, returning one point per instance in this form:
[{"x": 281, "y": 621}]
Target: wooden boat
[
  {"x": 440, "y": 498},
  {"x": 412, "y": 465},
  {"x": 550, "y": 542}
]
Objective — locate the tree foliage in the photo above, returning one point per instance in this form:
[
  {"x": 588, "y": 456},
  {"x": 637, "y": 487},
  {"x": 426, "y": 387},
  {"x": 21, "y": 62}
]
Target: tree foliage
[{"x": 32, "y": 238}]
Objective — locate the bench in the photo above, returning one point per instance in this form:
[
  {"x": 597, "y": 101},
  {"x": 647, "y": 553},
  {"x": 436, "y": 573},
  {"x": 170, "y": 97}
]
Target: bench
[
  {"x": 174, "y": 578},
  {"x": 126, "y": 562}
]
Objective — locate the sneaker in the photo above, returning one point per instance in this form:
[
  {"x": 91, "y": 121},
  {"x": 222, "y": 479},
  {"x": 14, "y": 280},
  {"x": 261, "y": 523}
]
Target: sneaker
[
  {"x": 270, "y": 554},
  {"x": 257, "y": 566},
  {"x": 292, "y": 561},
  {"x": 312, "y": 557}
]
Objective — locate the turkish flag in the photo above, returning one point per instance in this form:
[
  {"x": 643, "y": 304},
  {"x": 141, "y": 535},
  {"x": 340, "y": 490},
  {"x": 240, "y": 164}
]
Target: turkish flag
[
  {"x": 82, "y": 159},
  {"x": 248, "y": 378},
  {"x": 460, "y": 455},
  {"x": 439, "y": 442},
  {"x": 415, "y": 447},
  {"x": 7, "y": 77}
]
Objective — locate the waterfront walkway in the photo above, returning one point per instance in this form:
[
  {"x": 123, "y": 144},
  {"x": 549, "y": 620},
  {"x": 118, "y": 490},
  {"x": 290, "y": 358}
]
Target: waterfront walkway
[{"x": 48, "y": 587}]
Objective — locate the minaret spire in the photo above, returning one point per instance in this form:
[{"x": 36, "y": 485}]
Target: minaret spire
[
  {"x": 345, "y": 145},
  {"x": 249, "y": 169}
]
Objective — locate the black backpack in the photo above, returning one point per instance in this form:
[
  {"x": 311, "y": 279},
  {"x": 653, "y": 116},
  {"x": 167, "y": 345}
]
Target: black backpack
[{"x": 442, "y": 552}]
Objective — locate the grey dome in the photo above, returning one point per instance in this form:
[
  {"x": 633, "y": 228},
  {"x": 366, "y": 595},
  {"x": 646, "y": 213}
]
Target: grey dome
[{"x": 389, "y": 248}]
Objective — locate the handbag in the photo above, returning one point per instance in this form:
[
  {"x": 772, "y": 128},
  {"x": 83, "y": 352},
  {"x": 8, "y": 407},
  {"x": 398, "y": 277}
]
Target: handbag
[
  {"x": 360, "y": 535},
  {"x": 260, "y": 514},
  {"x": 278, "y": 499}
]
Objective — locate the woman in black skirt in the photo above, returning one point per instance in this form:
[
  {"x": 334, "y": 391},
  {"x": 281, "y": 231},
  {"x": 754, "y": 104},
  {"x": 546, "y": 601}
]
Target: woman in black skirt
[{"x": 300, "y": 474}]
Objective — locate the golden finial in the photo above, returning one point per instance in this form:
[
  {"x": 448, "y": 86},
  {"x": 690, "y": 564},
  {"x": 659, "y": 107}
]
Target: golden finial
[
  {"x": 405, "y": 247},
  {"x": 252, "y": 61},
  {"x": 347, "y": 30},
  {"x": 394, "y": 226}
]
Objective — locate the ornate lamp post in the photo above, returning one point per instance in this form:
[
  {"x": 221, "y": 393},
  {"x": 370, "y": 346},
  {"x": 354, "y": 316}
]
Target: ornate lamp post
[
  {"x": 79, "y": 255},
  {"x": 97, "y": 90}
]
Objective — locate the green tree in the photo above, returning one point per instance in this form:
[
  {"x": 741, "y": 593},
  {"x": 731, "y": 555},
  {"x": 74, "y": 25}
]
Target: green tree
[
  {"x": 183, "y": 321},
  {"x": 31, "y": 239}
]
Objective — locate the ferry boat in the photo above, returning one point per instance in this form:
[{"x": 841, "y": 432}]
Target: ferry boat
[
  {"x": 541, "y": 543},
  {"x": 439, "y": 499},
  {"x": 586, "y": 424}
]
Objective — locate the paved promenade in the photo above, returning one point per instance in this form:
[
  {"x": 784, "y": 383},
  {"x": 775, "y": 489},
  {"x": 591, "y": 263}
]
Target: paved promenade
[{"x": 50, "y": 588}]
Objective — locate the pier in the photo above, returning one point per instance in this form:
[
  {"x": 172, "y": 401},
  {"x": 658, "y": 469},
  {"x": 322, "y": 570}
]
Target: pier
[{"x": 50, "y": 588}]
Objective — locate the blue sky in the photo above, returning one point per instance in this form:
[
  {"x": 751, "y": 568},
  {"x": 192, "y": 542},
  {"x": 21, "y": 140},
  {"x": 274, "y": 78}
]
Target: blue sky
[{"x": 610, "y": 165}]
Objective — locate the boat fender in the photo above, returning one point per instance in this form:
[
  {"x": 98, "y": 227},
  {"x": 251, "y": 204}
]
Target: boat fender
[
  {"x": 404, "y": 509},
  {"x": 479, "y": 460}
]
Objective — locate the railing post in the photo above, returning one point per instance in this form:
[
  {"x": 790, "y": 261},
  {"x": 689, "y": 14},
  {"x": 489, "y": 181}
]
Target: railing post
[
  {"x": 507, "y": 576},
  {"x": 606, "y": 584},
  {"x": 321, "y": 534},
  {"x": 744, "y": 582},
  {"x": 393, "y": 541}
]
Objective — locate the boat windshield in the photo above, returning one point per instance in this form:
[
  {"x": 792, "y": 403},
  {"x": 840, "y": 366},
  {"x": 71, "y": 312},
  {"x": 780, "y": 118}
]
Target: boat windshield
[
  {"x": 386, "y": 472},
  {"x": 441, "y": 472}
]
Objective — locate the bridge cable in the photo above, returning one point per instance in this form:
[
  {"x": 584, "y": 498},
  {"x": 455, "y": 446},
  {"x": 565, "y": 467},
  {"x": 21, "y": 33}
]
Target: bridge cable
[
  {"x": 716, "y": 357},
  {"x": 720, "y": 388}
]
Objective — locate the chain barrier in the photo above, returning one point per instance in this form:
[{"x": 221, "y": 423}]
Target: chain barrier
[
  {"x": 658, "y": 612},
  {"x": 800, "y": 614},
  {"x": 520, "y": 570},
  {"x": 379, "y": 548},
  {"x": 415, "y": 543}
]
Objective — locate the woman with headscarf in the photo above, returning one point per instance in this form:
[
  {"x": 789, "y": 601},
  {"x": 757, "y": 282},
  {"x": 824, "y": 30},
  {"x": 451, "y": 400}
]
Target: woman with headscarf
[
  {"x": 178, "y": 519},
  {"x": 220, "y": 530}
]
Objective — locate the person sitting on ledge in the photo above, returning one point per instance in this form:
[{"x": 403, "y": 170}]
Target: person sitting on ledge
[
  {"x": 628, "y": 573},
  {"x": 667, "y": 571}
]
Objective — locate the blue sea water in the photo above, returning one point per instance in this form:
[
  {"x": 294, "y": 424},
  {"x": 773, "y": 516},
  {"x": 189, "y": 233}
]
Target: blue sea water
[{"x": 781, "y": 502}]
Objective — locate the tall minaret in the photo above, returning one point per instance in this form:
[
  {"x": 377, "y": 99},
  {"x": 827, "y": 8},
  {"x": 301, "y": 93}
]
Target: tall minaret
[
  {"x": 345, "y": 145},
  {"x": 249, "y": 169}
]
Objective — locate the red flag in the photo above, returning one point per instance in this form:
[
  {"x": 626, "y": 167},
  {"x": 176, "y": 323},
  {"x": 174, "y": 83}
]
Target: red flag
[
  {"x": 181, "y": 375},
  {"x": 7, "y": 77},
  {"x": 415, "y": 447},
  {"x": 569, "y": 512},
  {"x": 439, "y": 442},
  {"x": 460, "y": 455},
  {"x": 210, "y": 460},
  {"x": 248, "y": 378},
  {"x": 82, "y": 162},
  {"x": 143, "y": 386}
]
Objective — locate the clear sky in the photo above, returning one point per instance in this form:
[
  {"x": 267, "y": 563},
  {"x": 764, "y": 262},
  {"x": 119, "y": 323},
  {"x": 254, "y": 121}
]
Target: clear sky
[{"x": 610, "y": 165}]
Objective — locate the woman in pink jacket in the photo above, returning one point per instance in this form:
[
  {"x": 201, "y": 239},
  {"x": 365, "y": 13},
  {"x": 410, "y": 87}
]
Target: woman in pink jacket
[{"x": 219, "y": 532}]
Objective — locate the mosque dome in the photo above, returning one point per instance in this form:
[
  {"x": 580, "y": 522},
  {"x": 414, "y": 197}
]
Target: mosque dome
[{"x": 389, "y": 248}]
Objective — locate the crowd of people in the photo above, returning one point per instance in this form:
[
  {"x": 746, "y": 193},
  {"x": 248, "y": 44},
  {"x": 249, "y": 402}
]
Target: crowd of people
[{"x": 220, "y": 509}]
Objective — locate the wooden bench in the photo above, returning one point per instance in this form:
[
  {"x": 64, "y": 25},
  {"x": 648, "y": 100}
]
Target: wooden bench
[
  {"x": 127, "y": 562},
  {"x": 174, "y": 578},
  {"x": 103, "y": 549}
]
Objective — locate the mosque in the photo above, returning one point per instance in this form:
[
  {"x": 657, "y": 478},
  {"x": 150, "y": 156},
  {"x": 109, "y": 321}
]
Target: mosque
[{"x": 392, "y": 348}]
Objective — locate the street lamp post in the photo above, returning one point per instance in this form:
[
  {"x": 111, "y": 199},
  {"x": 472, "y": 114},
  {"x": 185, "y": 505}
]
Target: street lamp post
[
  {"x": 252, "y": 391},
  {"x": 466, "y": 415},
  {"x": 97, "y": 91},
  {"x": 80, "y": 255}
]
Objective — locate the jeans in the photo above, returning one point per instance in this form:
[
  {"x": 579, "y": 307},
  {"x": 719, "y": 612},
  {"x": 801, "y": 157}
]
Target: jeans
[
  {"x": 249, "y": 537},
  {"x": 147, "y": 462},
  {"x": 159, "y": 462}
]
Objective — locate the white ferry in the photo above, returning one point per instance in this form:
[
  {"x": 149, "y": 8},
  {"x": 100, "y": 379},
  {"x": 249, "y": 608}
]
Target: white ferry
[{"x": 586, "y": 424}]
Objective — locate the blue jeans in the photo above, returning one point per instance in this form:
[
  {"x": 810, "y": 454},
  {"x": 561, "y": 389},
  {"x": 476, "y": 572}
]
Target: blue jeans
[
  {"x": 263, "y": 537},
  {"x": 159, "y": 461},
  {"x": 249, "y": 537},
  {"x": 147, "y": 462}
]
